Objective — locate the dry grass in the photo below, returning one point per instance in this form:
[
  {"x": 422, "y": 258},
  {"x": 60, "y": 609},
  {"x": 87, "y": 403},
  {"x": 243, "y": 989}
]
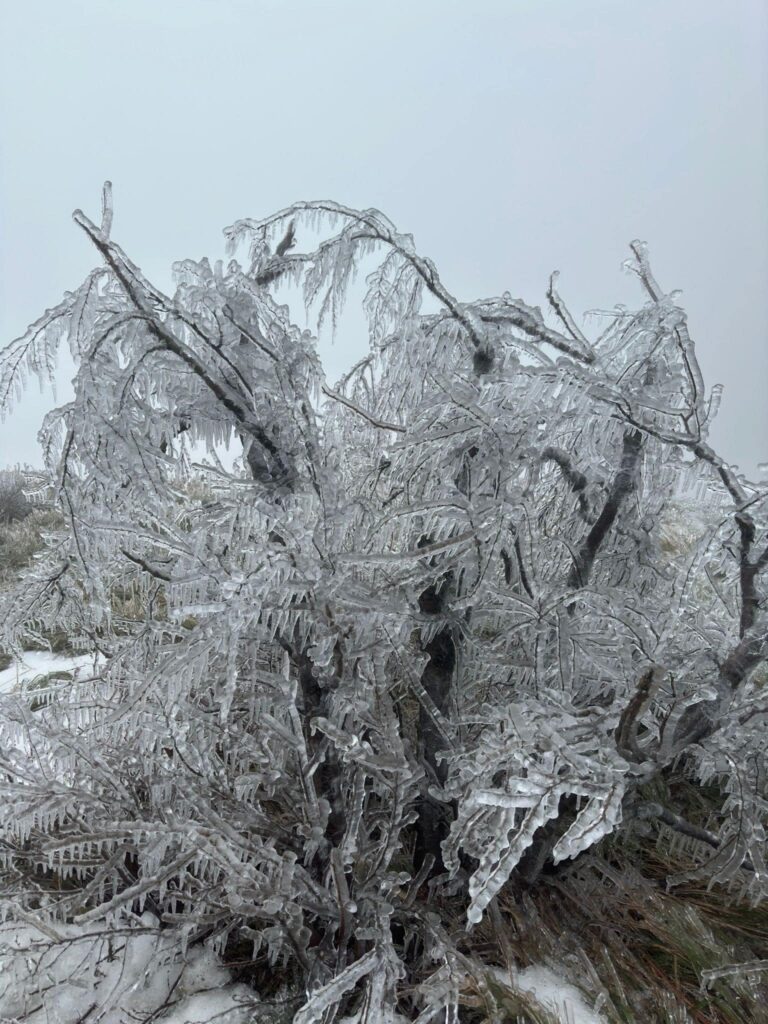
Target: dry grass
[
  {"x": 645, "y": 948},
  {"x": 21, "y": 540}
]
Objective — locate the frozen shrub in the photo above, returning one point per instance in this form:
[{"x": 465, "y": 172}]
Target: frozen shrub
[{"x": 431, "y": 637}]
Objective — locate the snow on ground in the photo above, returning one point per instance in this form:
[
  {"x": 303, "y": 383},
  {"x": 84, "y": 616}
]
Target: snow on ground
[
  {"x": 553, "y": 992},
  {"x": 84, "y": 976},
  {"x": 37, "y": 663}
]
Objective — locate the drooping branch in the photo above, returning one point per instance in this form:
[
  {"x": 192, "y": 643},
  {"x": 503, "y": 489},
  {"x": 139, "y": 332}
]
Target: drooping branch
[
  {"x": 374, "y": 227},
  {"x": 142, "y": 294}
]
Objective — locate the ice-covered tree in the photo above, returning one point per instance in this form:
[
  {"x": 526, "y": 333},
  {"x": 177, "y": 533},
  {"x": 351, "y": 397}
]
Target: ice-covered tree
[{"x": 433, "y": 635}]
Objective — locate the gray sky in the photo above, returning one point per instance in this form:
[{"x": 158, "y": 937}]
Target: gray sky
[{"x": 511, "y": 137}]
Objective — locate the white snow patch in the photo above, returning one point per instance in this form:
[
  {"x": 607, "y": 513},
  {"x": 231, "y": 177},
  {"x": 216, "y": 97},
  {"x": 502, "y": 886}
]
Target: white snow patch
[
  {"x": 553, "y": 992},
  {"x": 91, "y": 976},
  {"x": 37, "y": 663},
  {"x": 65, "y": 973}
]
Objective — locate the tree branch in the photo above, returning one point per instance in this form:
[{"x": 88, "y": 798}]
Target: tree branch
[
  {"x": 626, "y": 731},
  {"x": 152, "y": 570},
  {"x": 650, "y": 809},
  {"x": 377, "y": 228},
  {"x": 523, "y": 317},
  {"x": 137, "y": 287},
  {"x": 623, "y": 484},
  {"x": 747, "y": 573},
  {"x": 565, "y": 315},
  {"x": 575, "y": 478},
  {"x": 381, "y": 424}
]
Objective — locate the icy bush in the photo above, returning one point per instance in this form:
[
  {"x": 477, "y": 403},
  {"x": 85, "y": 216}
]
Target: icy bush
[{"x": 428, "y": 638}]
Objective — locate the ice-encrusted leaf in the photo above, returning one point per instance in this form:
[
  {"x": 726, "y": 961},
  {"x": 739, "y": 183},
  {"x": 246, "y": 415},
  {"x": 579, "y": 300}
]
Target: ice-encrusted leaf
[
  {"x": 329, "y": 995},
  {"x": 600, "y": 816},
  {"x": 495, "y": 869}
]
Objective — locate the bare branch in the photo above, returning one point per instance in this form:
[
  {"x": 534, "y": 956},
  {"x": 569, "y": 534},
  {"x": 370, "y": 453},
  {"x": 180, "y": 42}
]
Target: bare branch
[
  {"x": 626, "y": 731},
  {"x": 106, "y": 209},
  {"x": 565, "y": 315},
  {"x": 380, "y": 424},
  {"x": 644, "y": 811},
  {"x": 623, "y": 484}
]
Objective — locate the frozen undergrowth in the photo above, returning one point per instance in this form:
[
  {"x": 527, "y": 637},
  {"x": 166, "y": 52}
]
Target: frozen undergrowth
[
  {"x": 136, "y": 974},
  {"x": 130, "y": 975}
]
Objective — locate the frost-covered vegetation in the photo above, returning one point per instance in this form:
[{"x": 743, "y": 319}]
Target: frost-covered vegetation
[{"x": 459, "y": 670}]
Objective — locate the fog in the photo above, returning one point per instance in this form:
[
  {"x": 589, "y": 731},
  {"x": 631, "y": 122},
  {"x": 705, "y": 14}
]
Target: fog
[{"x": 510, "y": 138}]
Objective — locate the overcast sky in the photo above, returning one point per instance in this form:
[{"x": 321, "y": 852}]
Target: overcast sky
[{"x": 510, "y": 137}]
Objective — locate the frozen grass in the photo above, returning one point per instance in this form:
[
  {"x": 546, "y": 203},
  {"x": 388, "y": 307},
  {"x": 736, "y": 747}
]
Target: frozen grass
[
  {"x": 648, "y": 951},
  {"x": 21, "y": 540}
]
